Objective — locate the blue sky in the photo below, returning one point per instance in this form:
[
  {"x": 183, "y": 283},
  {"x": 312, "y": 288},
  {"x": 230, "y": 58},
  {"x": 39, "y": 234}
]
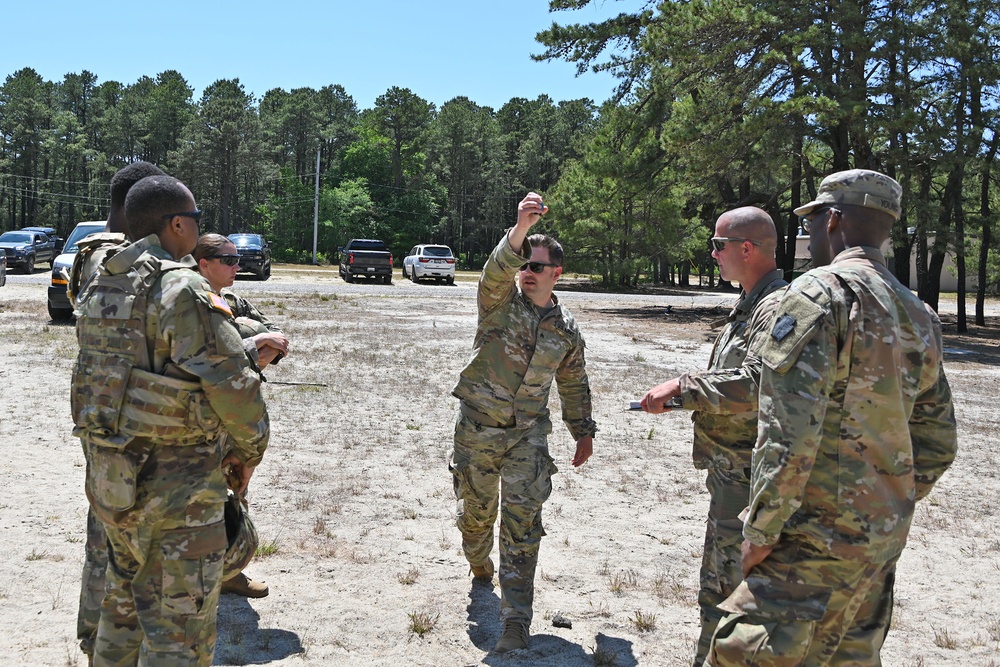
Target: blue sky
[{"x": 439, "y": 49}]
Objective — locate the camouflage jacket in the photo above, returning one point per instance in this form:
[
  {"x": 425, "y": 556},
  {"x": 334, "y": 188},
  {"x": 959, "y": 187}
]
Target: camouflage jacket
[
  {"x": 724, "y": 397},
  {"x": 189, "y": 339},
  {"x": 856, "y": 416},
  {"x": 516, "y": 355},
  {"x": 243, "y": 308}
]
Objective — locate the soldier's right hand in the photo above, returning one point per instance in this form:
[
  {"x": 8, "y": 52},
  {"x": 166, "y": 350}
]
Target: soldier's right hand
[{"x": 530, "y": 210}]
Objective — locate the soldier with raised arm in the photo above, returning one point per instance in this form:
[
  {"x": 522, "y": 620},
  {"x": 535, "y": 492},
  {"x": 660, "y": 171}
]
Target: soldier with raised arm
[{"x": 501, "y": 460}]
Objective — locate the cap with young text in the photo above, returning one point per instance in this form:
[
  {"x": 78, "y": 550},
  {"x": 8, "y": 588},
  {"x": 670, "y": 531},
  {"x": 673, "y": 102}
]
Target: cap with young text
[{"x": 861, "y": 187}]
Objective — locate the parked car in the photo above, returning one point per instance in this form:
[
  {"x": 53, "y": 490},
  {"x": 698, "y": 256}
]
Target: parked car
[
  {"x": 51, "y": 233},
  {"x": 367, "y": 258},
  {"x": 3, "y": 269},
  {"x": 26, "y": 248},
  {"x": 430, "y": 261},
  {"x": 255, "y": 254},
  {"x": 60, "y": 309}
]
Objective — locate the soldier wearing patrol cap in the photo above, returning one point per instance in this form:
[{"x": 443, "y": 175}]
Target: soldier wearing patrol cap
[
  {"x": 501, "y": 460},
  {"x": 856, "y": 425}
]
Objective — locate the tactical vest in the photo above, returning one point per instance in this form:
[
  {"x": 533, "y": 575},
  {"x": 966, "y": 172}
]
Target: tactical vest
[{"x": 115, "y": 396}]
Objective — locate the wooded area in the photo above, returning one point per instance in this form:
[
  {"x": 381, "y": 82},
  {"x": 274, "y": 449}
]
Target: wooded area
[{"x": 722, "y": 103}]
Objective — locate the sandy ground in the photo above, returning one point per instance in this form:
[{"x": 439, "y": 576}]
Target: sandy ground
[{"x": 355, "y": 509}]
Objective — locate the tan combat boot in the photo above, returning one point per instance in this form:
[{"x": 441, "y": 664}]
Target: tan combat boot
[
  {"x": 243, "y": 585},
  {"x": 484, "y": 571},
  {"x": 515, "y": 636}
]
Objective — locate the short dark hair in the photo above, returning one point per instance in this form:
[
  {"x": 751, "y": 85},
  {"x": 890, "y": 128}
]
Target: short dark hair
[
  {"x": 127, "y": 176},
  {"x": 209, "y": 246},
  {"x": 151, "y": 199},
  {"x": 550, "y": 244}
]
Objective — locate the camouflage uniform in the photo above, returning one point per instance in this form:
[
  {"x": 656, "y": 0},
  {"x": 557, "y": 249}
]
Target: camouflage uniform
[
  {"x": 503, "y": 421},
  {"x": 161, "y": 375},
  {"x": 856, "y": 425},
  {"x": 249, "y": 321},
  {"x": 724, "y": 400}
]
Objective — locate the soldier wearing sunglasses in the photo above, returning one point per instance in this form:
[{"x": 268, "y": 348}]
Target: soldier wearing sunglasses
[
  {"x": 857, "y": 424},
  {"x": 218, "y": 261},
  {"x": 723, "y": 401},
  {"x": 501, "y": 460}
]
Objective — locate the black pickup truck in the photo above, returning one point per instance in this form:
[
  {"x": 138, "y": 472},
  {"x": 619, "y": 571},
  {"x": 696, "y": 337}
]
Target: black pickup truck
[{"x": 366, "y": 258}]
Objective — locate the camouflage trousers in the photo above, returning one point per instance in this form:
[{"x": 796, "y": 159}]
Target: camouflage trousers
[
  {"x": 506, "y": 470},
  {"x": 801, "y": 608},
  {"x": 721, "y": 570},
  {"x": 165, "y": 560},
  {"x": 95, "y": 562}
]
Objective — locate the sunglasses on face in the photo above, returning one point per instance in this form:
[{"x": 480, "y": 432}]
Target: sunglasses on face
[
  {"x": 228, "y": 260},
  {"x": 536, "y": 267},
  {"x": 196, "y": 215},
  {"x": 719, "y": 242}
]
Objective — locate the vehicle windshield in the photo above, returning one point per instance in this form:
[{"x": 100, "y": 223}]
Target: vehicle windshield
[
  {"x": 437, "y": 251},
  {"x": 78, "y": 234},
  {"x": 246, "y": 240},
  {"x": 16, "y": 237},
  {"x": 368, "y": 245}
]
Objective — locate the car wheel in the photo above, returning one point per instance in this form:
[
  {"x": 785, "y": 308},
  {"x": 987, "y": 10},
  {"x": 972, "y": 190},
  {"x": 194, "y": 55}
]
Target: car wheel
[
  {"x": 60, "y": 314},
  {"x": 348, "y": 278},
  {"x": 29, "y": 266},
  {"x": 404, "y": 272},
  {"x": 387, "y": 280},
  {"x": 451, "y": 280},
  {"x": 413, "y": 276},
  {"x": 267, "y": 272}
]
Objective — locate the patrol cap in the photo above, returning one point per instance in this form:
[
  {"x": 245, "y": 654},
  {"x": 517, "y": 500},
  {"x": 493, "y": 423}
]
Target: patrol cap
[{"x": 861, "y": 187}]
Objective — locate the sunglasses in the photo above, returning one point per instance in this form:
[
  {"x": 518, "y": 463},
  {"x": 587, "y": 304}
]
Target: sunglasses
[
  {"x": 536, "y": 267},
  {"x": 185, "y": 214},
  {"x": 228, "y": 260},
  {"x": 805, "y": 222},
  {"x": 719, "y": 242}
]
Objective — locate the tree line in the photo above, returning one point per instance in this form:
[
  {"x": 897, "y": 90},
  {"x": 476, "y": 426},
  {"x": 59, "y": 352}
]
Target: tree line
[
  {"x": 403, "y": 171},
  {"x": 721, "y": 103}
]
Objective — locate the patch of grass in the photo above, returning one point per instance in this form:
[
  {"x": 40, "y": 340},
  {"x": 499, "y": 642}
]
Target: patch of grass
[
  {"x": 622, "y": 581},
  {"x": 319, "y": 526},
  {"x": 409, "y": 577},
  {"x": 643, "y": 622},
  {"x": 37, "y": 555},
  {"x": 943, "y": 639},
  {"x": 422, "y": 622},
  {"x": 269, "y": 548},
  {"x": 409, "y": 513},
  {"x": 993, "y": 629},
  {"x": 603, "y": 657},
  {"x": 412, "y": 427}
]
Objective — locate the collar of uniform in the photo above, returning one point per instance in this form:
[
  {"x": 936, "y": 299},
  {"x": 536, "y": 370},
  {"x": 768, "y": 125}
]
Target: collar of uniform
[
  {"x": 748, "y": 299},
  {"x": 861, "y": 252}
]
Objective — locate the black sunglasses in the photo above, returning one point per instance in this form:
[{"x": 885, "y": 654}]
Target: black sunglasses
[
  {"x": 536, "y": 267},
  {"x": 228, "y": 260},
  {"x": 719, "y": 242},
  {"x": 186, "y": 214}
]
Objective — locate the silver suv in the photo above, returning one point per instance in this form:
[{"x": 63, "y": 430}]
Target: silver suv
[{"x": 430, "y": 261}]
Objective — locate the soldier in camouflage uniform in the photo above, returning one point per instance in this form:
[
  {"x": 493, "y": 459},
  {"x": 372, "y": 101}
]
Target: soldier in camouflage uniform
[
  {"x": 218, "y": 262},
  {"x": 524, "y": 340},
  {"x": 724, "y": 401},
  {"x": 96, "y": 552},
  {"x": 161, "y": 377},
  {"x": 856, "y": 425}
]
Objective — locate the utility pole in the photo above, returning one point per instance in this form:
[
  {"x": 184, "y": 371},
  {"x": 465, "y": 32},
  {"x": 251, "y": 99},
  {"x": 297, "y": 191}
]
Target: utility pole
[{"x": 316, "y": 207}]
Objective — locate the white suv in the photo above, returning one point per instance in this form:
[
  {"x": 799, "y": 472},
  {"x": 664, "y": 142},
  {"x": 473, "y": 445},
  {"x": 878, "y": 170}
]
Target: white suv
[{"x": 430, "y": 261}]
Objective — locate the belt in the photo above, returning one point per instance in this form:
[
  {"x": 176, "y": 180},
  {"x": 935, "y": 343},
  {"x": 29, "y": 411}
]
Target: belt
[{"x": 482, "y": 419}]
